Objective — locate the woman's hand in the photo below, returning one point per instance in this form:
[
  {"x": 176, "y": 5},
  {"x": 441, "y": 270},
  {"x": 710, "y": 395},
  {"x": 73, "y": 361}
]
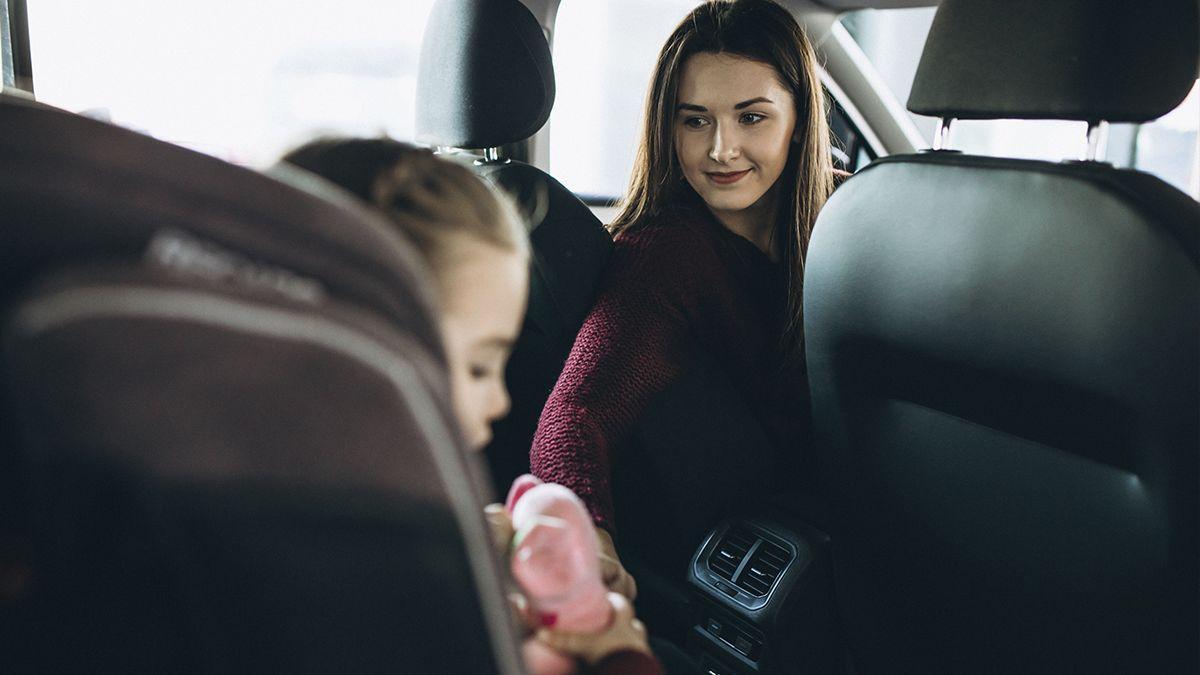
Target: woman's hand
[
  {"x": 501, "y": 528},
  {"x": 612, "y": 572}
]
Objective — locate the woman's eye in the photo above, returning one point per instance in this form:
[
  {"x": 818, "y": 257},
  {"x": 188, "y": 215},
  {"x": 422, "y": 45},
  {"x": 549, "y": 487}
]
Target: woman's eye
[
  {"x": 695, "y": 122},
  {"x": 752, "y": 118}
]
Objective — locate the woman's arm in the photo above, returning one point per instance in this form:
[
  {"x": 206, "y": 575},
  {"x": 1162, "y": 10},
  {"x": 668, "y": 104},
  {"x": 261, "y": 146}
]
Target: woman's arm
[{"x": 630, "y": 348}]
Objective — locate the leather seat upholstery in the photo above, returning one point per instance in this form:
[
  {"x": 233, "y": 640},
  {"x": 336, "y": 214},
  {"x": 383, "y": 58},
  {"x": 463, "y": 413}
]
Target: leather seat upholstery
[
  {"x": 226, "y": 415},
  {"x": 486, "y": 80},
  {"x": 1003, "y": 357}
]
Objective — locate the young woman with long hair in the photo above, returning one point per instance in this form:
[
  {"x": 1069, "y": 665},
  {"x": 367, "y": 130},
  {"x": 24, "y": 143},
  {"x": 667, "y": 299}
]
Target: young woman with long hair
[{"x": 733, "y": 166}]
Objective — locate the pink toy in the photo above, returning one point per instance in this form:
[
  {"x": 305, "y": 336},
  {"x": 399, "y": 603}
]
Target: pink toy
[{"x": 555, "y": 558}]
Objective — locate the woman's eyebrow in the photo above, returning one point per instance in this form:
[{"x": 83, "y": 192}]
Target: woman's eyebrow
[{"x": 746, "y": 104}]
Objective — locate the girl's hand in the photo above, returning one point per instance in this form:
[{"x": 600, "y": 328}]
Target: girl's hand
[{"x": 625, "y": 633}]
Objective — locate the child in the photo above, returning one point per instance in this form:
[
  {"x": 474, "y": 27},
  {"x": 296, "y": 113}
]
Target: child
[{"x": 478, "y": 249}]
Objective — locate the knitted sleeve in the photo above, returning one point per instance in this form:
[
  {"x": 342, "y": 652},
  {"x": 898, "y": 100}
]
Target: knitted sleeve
[{"x": 631, "y": 347}]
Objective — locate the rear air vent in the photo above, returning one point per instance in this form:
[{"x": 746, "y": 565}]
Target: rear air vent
[
  {"x": 730, "y": 552},
  {"x": 764, "y": 568}
]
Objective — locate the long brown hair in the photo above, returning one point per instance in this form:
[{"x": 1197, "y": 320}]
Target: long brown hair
[{"x": 763, "y": 31}]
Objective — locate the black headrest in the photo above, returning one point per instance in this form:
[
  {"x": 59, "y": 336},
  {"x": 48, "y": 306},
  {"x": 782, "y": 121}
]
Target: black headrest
[
  {"x": 486, "y": 78},
  {"x": 1093, "y": 60}
]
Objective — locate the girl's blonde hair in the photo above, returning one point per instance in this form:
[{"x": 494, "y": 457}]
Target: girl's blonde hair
[{"x": 434, "y": 201}]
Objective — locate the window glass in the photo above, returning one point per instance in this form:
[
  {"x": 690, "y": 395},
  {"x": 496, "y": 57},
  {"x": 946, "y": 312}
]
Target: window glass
[
  {"x": 7, "y": 76},
  {"x": 1170, "y": 146},
  {"x": 241, "y": 80},
  {"x": 604, "y": 53},
  {"x": 1167, "y": 147}
]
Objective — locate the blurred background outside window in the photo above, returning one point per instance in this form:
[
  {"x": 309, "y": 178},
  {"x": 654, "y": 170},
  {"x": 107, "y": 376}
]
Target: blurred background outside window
[
  {"x": 244, "y": 81},
  {"x": 604, "y": 55}
]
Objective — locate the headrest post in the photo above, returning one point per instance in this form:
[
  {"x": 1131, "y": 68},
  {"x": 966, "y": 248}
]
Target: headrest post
[
  {"x": 942, "y": 138},
  {"x": 491, "y": 155},
  {"x": 1097, "y": 141}
]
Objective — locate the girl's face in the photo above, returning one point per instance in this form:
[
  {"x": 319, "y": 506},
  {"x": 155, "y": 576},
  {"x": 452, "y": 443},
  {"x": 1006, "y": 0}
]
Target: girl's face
[
  {"x": 483, "y": 303},
  {"x": 734, "y": 123}
]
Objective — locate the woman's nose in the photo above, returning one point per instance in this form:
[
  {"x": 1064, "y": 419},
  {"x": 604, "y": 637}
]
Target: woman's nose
[{"x": 724, "y": 145}]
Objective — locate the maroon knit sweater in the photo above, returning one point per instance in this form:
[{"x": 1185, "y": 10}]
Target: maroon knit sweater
[{"x": 682, "y": 280}]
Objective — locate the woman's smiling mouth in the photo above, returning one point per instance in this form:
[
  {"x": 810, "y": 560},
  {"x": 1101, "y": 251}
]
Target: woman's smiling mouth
[{"x": 726, "y": 178}]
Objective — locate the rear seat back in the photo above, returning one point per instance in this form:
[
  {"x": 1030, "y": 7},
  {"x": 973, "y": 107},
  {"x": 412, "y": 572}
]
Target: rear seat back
[
  {"x": 486, "y": 80},
  {"x": 225, "y": 421}
]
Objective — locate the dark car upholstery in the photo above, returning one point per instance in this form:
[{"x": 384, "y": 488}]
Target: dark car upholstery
[
  {"x": 227, "y": 436},
  {"x": 1003, "y": 357},
  {"x": 486, "y": 80}
]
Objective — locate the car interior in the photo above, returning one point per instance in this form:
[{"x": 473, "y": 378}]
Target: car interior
[{"x": 228, "y": 442}]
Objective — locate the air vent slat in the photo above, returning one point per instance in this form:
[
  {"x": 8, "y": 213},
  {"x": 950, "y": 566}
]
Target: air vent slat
[
  {"x": 730, "y": 551},
  {"x": 769, "y": 556},
  {"x": 755, "y": 587},
  {"x": 763, "y": 569},
  {"x": 725, "y": 567}
]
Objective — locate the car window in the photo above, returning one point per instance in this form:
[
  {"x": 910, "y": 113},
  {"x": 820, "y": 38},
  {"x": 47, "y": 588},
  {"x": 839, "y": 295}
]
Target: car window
[
  {"x": 604, "y": 53},
  {"x": 240, "y": 80},
  {"x": 7, "y": 75},
  {"x": 1168, "y": 147}
]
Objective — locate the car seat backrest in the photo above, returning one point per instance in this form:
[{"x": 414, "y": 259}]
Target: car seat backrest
[
  {"x": 1003, "y": 358},
  {"x": 486, "y": 80},
  {"x": 225, "y": 419}
]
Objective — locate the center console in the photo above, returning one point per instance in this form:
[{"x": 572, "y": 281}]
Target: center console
[{"x": 763, "y": 600}]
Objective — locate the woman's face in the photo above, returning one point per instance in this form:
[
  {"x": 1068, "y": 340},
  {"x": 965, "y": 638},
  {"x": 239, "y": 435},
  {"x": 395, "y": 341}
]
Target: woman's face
[
  {"x": 483, "y": 303},
  {"x": 734, "y": 123}
]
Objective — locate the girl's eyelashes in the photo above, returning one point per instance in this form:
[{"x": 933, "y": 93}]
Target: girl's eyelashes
[
  {"x": 487, "y": 369},
  {"x": 752, "y": 118},
  {"x": 695, "y": 122}
]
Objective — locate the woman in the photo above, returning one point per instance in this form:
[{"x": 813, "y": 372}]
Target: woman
[
  {"x": 733, "y": 166},
  {"x": 478, "y": 249}
]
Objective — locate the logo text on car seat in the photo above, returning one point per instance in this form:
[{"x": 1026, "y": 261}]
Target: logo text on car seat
[{"x": 181, "y": 252}]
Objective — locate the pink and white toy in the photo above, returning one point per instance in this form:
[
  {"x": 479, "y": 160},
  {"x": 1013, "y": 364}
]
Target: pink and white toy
[{"x": 555, "y": 561}]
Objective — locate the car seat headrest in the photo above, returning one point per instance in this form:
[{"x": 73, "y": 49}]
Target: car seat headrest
[
  {"x": 1091, "y": 60},
  {"x": 485, "y": 76}
]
